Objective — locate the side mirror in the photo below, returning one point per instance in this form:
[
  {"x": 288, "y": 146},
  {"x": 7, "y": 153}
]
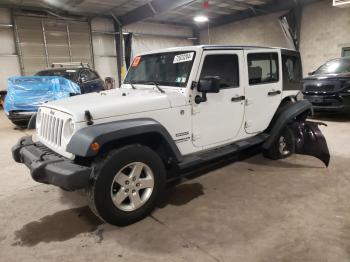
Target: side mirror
[{"x": 209, "y": 84}]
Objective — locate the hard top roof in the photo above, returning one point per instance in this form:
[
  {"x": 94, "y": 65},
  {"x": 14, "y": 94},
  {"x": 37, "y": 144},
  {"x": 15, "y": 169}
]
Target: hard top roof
[{"x": 240, "y": 47}]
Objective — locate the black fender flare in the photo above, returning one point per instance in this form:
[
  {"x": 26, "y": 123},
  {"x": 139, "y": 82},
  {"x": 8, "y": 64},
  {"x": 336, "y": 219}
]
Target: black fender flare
[
  {"x": 284, "y": 118},
  {"x": 113, "y": 131}
]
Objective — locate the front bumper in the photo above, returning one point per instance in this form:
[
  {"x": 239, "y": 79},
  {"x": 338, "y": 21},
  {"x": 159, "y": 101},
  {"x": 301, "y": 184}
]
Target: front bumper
[
  {"x": 329, "y": 103},
  {"x": 50, "y": 168},
  {"x": 20, "y": 115}
]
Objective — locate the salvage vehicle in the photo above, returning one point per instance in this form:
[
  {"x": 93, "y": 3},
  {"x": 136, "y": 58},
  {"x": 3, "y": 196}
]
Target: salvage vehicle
[
  {"x": 27, "y": 93},
  {"x": 177, "y": 110},
  {"x": 328, "y": 87}
]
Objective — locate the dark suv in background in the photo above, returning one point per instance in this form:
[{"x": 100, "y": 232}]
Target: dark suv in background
[
  {"x": 328, "y": 88},
  {"x": 87, "y": 78}
]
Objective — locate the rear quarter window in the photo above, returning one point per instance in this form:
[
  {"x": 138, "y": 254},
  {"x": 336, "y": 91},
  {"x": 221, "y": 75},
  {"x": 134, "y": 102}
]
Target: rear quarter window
[{"x": 292, "y": 72}]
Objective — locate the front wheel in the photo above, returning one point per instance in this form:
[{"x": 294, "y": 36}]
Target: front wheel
[
  {"x": 283, "y": 147},
  {"x": 127, "y": 184}
]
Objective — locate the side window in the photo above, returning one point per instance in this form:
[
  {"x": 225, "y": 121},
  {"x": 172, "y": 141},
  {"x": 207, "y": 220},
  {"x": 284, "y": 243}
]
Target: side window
[
  {"x": 223, "y": 66},
  {"x": 93, "y": 75},
  {"x": 292, "y": 72},
  {"x": 84, "y": 76},
  {"x": 263, "y": 68},
  {"x": 345, "y": 52}
]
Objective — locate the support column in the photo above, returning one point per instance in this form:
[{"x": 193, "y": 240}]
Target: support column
[
  {"x": 196, "y": 36},
  {"x": 119, "y": 48}
]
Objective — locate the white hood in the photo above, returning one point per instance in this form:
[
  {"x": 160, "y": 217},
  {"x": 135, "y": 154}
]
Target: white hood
[{"x": 117, "y": 102}]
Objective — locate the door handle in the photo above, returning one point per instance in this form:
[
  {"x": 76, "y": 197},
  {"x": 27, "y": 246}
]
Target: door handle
[
  {"x": 237, "y": 98},
  {"x": 274, "y": 93}
]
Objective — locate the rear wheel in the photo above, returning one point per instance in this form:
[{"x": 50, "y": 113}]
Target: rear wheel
[
  {"x": 283, "y": 147},
  {"x": 127, "y": 184}
]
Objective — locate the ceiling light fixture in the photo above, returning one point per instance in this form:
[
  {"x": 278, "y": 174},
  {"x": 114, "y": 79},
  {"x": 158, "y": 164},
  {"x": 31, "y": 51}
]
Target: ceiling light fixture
[{"x": 200, "y": 19}]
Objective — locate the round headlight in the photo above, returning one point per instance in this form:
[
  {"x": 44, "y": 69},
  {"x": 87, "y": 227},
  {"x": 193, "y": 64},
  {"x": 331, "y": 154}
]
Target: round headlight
[{"x": 68, "y": 128}]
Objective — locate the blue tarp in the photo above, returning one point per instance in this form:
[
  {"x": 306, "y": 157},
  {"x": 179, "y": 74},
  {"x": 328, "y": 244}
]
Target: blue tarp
[{"x": 27, "y": 93}]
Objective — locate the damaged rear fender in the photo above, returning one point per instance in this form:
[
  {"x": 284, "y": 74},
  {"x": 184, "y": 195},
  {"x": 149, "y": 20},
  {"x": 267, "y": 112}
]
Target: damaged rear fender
[{"x": 309, "y": 140}]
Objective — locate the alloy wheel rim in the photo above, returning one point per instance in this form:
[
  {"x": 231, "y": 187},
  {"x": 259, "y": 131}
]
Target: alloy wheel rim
[
  {"x": 283, "y": 147},
  {"x": 132, "y": 186}
]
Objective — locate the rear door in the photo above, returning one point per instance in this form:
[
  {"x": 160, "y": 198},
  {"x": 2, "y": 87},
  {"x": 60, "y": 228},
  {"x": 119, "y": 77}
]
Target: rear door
[
  {"x": 264, "y": 88},
  {"x": 220, "y": 118}
]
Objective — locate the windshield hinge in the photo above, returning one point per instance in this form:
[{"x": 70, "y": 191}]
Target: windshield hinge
[
  {"x": 194, "y": 85},
  {"x": 88, "y": 118}
]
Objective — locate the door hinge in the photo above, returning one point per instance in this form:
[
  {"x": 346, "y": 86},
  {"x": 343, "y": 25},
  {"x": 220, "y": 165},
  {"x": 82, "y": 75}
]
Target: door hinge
[
  {"x": 195, "y": 137},
  {"x": 195, "y": 110},
  {"x": 248, "y": 102}
]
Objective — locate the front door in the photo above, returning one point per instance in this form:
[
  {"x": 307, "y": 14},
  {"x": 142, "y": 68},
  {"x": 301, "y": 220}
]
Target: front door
[
  {"x": 220, "y": 118},
  {"x": 264, "y": 89}
]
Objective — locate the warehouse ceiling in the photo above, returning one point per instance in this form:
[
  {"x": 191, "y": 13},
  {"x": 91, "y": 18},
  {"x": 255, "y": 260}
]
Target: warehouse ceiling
[
  {"x": 214, "y": 10},
  {"x": 179, "y": 12}
]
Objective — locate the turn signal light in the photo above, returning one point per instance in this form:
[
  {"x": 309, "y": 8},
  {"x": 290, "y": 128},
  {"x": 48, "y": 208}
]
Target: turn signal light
[{"x": 95, "y": 146}]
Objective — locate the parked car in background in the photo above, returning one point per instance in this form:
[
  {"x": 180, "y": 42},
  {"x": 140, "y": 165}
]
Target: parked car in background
[
  {"x": 328, "y": 87},
  {"x": 87, "y": 78},
  {"x": 26, "y": 94}
]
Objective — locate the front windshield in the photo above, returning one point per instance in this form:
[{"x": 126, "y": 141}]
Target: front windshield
[
  {"x": 168, "y": 69},
  {"x": 336, "y": 66}
]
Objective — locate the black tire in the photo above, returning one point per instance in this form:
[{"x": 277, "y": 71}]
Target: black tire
[
  {"x": 105, "y": 169},
  {"x": 275, "y": 152},
  {"x": 2, "y": 101}
]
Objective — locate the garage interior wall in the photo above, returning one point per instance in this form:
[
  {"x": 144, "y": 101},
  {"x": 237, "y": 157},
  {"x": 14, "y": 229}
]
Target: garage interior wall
[
  {"x": 104, "y": 47},
  {"x": 152, "y": 36},
  {"x": 262, "y": 30},
  {"x": 9, "y": 65},
  {"x": 317, "y": 31},
  {"x": 325, "y": 31}
]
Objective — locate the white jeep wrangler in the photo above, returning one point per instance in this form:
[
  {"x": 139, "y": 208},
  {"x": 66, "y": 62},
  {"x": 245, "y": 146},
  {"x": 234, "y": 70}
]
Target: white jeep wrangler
[{"x": 177, "y": 109}]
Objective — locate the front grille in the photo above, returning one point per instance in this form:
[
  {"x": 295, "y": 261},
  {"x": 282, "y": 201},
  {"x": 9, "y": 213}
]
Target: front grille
[
  {"x": 322, "y": 88},
  {"x": 51, "y": 128}
]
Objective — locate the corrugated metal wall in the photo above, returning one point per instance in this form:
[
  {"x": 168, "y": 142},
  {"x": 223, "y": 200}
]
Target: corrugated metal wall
[
  {"x": 9, "y": 65},
  {"x": 103, "y": 40}
]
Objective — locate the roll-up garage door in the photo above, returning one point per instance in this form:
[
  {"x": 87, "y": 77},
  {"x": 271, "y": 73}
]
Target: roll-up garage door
[{"x": 43, "y": 41}]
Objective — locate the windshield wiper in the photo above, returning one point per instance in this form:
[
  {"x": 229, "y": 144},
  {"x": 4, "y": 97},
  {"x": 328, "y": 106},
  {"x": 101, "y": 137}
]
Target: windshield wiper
[
  {"x": 156, "y": 85},
  {"x": 132, "y": 85}
]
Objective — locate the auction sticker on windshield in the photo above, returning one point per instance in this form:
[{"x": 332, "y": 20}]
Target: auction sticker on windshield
[
  {"x": 183, "y": 58},
  {"x": 136, "y": 61}
]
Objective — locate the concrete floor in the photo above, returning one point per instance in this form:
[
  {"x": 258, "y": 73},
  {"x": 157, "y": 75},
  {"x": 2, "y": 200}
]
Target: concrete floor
[{"x": 254, "y": 210}]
